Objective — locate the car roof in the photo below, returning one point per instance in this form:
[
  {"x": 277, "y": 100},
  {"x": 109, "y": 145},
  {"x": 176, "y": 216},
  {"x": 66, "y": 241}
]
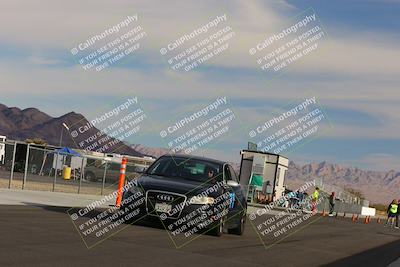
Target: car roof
[{"x": 184, "y": 156}]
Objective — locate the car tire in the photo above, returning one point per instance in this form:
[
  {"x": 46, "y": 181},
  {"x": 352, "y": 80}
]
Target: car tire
[
  {"x": 89, "y": 176},
  {"x": 218, "y": 230},
  {"x": 239, "y": 230}
]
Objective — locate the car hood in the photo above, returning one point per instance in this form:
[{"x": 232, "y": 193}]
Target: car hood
[{"x": 177, "y": 185}]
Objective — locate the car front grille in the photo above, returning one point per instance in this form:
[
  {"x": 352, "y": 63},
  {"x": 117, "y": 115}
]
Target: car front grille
[{"x": 177, "y": 202}]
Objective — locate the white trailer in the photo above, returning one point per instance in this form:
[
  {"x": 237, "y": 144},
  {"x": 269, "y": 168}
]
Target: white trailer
[{"x": 271, "y": 167}]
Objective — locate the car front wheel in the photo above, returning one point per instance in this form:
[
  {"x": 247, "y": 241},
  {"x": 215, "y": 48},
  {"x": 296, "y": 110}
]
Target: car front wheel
[
  {"x": 218, "y": 229},
  {"x": 239, "y": 229}
]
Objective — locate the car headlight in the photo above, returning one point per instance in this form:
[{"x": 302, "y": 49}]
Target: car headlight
[
  {"x": 134, "y": 190},
  {"x": 201, "y": 200}
]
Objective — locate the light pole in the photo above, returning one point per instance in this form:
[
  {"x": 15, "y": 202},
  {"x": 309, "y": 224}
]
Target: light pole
[
  {"x": 62, "y": 130},
  {"x": 56, "y": 164}
]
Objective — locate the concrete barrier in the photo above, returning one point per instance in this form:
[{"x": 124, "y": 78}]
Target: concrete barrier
[{"x": 368, "y": 211}]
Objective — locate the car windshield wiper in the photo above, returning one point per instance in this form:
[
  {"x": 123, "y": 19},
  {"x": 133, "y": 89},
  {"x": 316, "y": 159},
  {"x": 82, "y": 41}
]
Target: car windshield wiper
[
  {"x": 178, "y": 176},
  {"x": 160, "y": 174},
  {"x": 191, "y": 179}
]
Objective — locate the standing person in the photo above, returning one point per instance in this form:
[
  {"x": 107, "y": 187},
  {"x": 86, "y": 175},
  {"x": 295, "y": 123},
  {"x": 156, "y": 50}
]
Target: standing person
[
  {"x": 291, "y": 199},
  {"x": 314, "y": 200},
  {"x": 392, "y": 213},
  {"x": 331, "y": 203}
]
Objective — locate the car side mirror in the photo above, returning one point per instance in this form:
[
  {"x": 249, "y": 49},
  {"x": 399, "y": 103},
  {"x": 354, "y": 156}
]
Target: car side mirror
[
  {"x": 232, "y": 183},
  {"x": 140, "y": 170}
]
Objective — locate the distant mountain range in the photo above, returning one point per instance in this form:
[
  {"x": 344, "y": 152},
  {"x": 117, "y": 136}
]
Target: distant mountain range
[
  {"x": 31, "y": 123},
  {"x": 379, "y": 187}
]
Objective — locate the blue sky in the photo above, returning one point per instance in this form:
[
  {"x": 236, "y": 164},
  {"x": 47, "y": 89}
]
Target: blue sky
[{"x": 354, "y": 74}]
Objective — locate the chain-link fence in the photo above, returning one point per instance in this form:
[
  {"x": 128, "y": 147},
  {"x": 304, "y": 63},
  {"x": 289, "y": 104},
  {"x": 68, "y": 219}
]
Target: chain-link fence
[
  {"x": 340, "y": 193},
  {"x": 32, "y": 167},
  {"x": 11, "y": 166},
  {"x": 5, "y": 164}
]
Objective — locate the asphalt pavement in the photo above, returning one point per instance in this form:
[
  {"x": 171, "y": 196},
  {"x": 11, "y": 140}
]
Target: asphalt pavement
[{"x": 46, "y": 236}]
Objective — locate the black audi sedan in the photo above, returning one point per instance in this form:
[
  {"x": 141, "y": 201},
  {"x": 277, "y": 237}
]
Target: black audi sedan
[{"x": 189, "y": 195}]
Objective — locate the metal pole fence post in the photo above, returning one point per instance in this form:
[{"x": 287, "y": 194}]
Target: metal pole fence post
[
  {"x": 81, "y": 177},
  {"x": 26, "y": 166},
  {"x": 104, "y": 178},
  {"x": 12, "y": 165},
  {"x": 55, "y": 172}
]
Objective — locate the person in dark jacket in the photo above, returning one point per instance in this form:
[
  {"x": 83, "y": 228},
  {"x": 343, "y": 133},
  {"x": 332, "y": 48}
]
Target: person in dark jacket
[{"x": 331, "y": 203}]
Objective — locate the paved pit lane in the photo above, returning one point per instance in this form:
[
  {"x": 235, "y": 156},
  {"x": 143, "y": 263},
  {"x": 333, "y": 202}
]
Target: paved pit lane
[{"x": 45, "y": 236}]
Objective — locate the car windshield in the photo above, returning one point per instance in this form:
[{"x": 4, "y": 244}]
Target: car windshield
[{"x": 187, "y": 168}]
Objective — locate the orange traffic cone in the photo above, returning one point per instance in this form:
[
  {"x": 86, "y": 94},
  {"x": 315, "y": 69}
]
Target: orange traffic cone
[
  {"x": 366, "y": 220},
  {"x": 353, "y": 218},
  {"x": 323, "y": 213},
  {"x": 379, "y": 220}
]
